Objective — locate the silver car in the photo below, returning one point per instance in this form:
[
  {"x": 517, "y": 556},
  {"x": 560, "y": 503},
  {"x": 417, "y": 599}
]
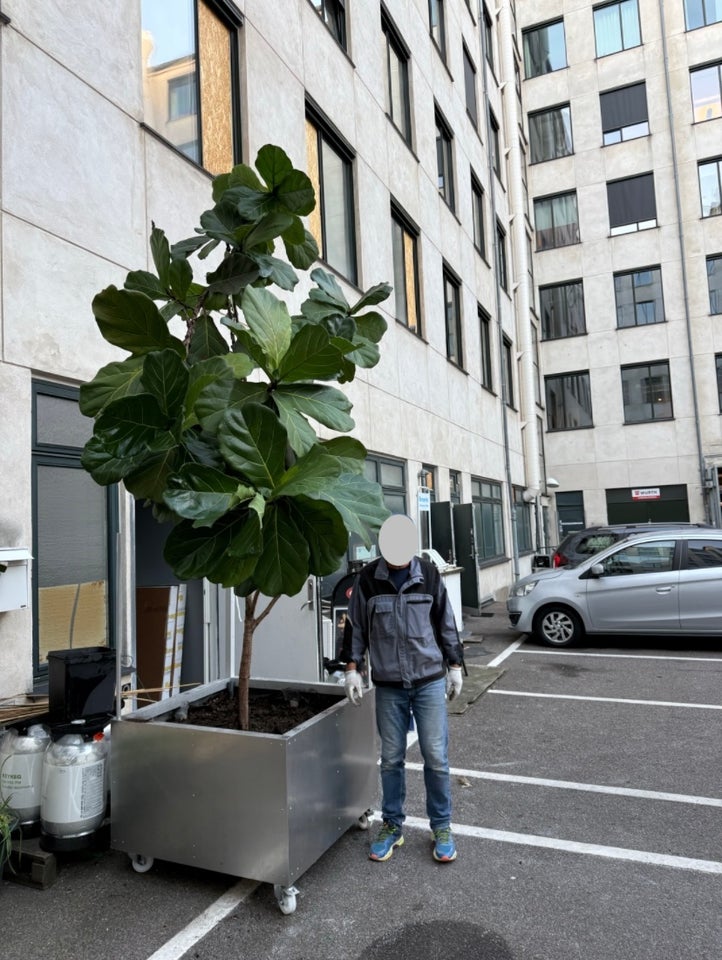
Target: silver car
[{"x": 662, "y": 583}]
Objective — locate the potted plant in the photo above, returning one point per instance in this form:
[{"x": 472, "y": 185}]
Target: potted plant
[{"x": 210, "y": 416}]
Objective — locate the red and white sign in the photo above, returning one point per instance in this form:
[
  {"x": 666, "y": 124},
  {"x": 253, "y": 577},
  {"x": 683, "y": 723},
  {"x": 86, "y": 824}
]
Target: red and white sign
[{"x": 646, "y": 493}]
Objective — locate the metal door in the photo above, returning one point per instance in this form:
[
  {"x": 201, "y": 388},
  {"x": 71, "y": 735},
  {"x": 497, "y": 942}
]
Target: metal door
[
  {"x": 465, "y": 526},
  {"x": 442, "y": 531}
]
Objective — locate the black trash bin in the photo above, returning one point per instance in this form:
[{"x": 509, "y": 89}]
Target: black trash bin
[{"x": 81, "y": 683}]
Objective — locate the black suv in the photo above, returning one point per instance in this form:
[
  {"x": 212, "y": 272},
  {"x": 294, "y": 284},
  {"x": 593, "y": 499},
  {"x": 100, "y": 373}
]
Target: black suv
[{"x": 581, "y": 544}]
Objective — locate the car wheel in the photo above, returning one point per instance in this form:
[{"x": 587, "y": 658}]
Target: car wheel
[{"x": 558, "y": 626}]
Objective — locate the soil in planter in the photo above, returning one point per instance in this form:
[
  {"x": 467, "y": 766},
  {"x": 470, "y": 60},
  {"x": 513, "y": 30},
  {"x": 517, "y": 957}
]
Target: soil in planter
[{"x": 271, "y": 711}]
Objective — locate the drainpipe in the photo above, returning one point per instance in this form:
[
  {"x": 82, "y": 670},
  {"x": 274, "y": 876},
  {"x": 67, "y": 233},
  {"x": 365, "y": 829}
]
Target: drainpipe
[
  {"x": 683, "y": 263},
  {"x": 495, "y": 236}
]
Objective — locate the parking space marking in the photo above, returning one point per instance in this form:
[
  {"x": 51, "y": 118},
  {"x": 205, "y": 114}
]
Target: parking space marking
[
  {"x": 585, "y": 787},
  {"x": 573, "y": 846},
  {"x": 512, "y": 648},
  {"x": 645, "y": 703},
  {"x": 181, "y": 943},
  {"x": 619, "y": 656}
]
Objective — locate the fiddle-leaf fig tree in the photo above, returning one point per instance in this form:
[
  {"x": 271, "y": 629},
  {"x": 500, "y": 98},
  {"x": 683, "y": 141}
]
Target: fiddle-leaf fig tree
[{"x": 212, "y": 417}]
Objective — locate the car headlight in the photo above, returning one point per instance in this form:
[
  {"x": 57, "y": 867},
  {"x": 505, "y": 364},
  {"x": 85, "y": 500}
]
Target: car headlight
[{"x": 524, "y": 588}]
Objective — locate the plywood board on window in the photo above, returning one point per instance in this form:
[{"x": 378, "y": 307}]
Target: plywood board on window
[{"x": 72, "y": 615}]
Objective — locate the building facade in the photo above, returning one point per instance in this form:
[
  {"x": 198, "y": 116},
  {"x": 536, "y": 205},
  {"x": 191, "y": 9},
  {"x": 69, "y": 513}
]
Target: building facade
[{"x": 492, "y": 163}]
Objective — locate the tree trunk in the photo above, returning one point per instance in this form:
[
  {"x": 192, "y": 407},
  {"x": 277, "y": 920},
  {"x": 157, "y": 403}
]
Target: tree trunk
[{"x": 250, "y": 622}]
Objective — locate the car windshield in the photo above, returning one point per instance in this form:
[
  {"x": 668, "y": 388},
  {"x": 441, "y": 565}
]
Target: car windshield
[{"x": 596, "y": 542}]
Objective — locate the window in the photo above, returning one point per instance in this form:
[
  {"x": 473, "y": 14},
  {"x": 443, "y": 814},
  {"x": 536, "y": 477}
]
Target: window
[
  {"x": 73, "y": 532},
  {"x": 404, "y": 241},
  {"x": 706, "y": 85},
  {"x": 616, "y": 27},
  {"x": 452, "y": 313},
  {"x": 718, "y": 363},
  {"x": 562, "y": 310},
  {"x": 487, "y": 494},
  {"x": 333, "y": 14},
  {"x": 624, "y": 113},
  {"x": 545, "y": 49},
  {"x": 444, "y": 161},
  {"x": 710, "y": 177},
  {"x": 190, "y": 69},
  {"x": 397, "y": 68},
  {"x": 330, "y": 168},
  {"x": 470, "y": 86},
  {"x": 437, "y": 25},
  {"x": 485, "y": 339},
  {"x": 488, "y": 38},
  {"x": 523, "y": 522},
  {"x": 700, "y": 13},
  {"x": 502, "y": 271},
  {"x": 638, "y": 296},
  {"x": 702, "y": 554},
  {"x": 427, "y": 482},
  {"x": 646, "y": 392},
  {"x": 390, "y": 474},
  {"x": 454, "y": 486},
  {"x": 714, "y": 283},
  {"x": 556, "y": 221},
  {"x": 507, "y": 374},
  {"x": 550, "y": 134},
  {"x": 477, "y": 215},
  {"x": 640, "y": 558},
  {"x": 536, "y": 375},
  {"x": 568, "y": 401},
  {"x": 632, "y": 204},
  {"x": 495, "y": 145}
]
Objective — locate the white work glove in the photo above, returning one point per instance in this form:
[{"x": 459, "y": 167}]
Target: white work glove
[
  {"x": 454, "y": 682},
  {"x": 353, "y": 685}
]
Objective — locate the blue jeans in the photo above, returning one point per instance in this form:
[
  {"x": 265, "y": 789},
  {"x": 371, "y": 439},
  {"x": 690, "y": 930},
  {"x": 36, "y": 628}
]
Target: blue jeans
[{"x": 394, "y": 706}]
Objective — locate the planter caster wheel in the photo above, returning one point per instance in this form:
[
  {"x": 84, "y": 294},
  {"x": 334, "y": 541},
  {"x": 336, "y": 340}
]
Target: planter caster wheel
[
  {"x": 286, "y": 897},
  {"x": 364, "y": 821},
  {"x": 140, "y": 863}
]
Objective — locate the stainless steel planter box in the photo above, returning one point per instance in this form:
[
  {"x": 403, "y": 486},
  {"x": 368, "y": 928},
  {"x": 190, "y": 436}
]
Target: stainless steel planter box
[{"x": 255, "y": 805}]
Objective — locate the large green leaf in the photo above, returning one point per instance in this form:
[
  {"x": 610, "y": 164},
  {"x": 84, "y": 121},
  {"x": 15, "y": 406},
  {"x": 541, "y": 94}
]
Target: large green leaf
[
  {"x": 214, "y": 374},
  {"x": 218, "y": 397},
  {"x": 130, "y": 320},
  {"x": 282, "y": 567},
  {"x": 273, "y": 165},
  {"x": 302, "y": 254},
  {"x": 372, "y": 296},
  {"x": 180, "y": 278},
  {"x": 365, "y": 355},
  {"x": 111, "y": 382},
  {"x": 327, "y": 405},
  {"x": 309, "y": 474},
  {"x": 371, "y": 326},
  {"x": 203, "y": 494},
  {"x": 295, "y": 193},
  {"x": 149, "y": 479},
  {"x": 206, "y": 340},
  {"x": 222, "y": 222},
  {"x": 132, "y": 423},
  {"x": 160, "y": 252},
  {"x": 329, "y": 289},
  {"x": 145, "y": 282},
  {"x": 310, "y": 356},
  {"x": 236, "y": 271},
  {"x": 321, "y": 525},
  {"x": 253, "y": 442},
  {"x": 301, "y": 435},
  {"x": 358, "y": 500},
  {"x": 165, "y": 376},
  {"x": 350, "y": 451},
  {"x": 269, "y": 227},
  {"x": 269, "y": 322},
  {"x": 198, "y": 552},
  {"x": 275, "y": 270}
]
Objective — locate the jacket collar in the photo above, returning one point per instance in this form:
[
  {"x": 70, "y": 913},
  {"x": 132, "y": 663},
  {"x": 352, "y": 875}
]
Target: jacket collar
[{"x": 415, "y": 573}]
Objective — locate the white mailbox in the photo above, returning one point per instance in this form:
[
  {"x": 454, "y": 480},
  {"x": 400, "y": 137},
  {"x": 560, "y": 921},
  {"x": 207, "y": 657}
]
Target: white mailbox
[{"x": 14, "y": 578}]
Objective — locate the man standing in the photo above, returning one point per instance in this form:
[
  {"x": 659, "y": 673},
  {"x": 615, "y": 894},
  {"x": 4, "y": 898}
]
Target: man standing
[{"x": 399, "y": 613}]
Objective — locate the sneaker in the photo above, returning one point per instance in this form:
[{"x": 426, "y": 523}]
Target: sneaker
[
  {"x": 389, "y": 837},
  {"x": 444, "y": 846}
]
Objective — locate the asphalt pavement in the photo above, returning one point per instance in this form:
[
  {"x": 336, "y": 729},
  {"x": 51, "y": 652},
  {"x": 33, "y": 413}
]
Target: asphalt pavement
[{"x": 587, "y": 814}]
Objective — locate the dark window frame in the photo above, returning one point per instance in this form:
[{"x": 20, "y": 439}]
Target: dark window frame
[
  {"x": 488, "y": 495},
  {"x": 332, "y": 14},
  {"x": 485, "y": 347},
  {"x": 529, "y": 39},
  {"x": 395, "y": 46},
  {"x": 718, "y": 364},
  {"x": 560, "y": 296},
  {"x": 453, "y": 318},
  {"x": 556, "y": 232},
  {"x": 694, "y": 73},
  {"x": 400, "y": 219},
  {"x": 507, "y": 372},
  {"x": 646, "y": 384},
  {"x": 478, "y": 218},
  {"x": 712, "y": 210},
  {"x": 445, "y": 161},
  {"x": 537, "y": 140},
  {"x": 636, "y": 303},
  {"x": 703, "y": 21},
  {"x": 624, "y": 113},
  {"x": 631, "y": 197},
  {"x": 565, "y": 421},
  {"x": 437, "y": 30},
  {"x": 472, "y": 106},
  {"x": 624, "y": 45},
  {"x": 714, "y": 283},
  {"x": 502, "y": 261}
]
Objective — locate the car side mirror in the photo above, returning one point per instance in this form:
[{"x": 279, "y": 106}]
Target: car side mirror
[{"x": 597, "y": 570}]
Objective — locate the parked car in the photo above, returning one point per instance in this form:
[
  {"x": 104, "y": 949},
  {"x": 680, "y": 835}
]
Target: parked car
[
  {"x": 581, "y": 544},
  {"x": 666, "y": 582}
]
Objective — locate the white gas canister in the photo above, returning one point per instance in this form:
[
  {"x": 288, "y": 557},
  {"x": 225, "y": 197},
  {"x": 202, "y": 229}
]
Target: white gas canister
[
  {"x": 21, "y": 770},
  {"x": 74, "y": 791}
]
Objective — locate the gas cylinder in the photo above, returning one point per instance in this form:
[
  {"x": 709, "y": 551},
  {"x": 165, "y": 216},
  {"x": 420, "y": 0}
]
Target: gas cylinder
[
  {"x": 21, "y": 770},
  {"x": 73, "y": 799}
]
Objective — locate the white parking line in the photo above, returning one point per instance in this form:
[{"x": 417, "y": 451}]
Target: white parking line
[
  {"x": 570, "y": 696},
  {"x": 512, "y": 648},
  {"x": 573, "y": 846},
  {"x": 205, "y": 922},
  {"x": 585, "y": 787},
  {"x": 626, "y": 656}
]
